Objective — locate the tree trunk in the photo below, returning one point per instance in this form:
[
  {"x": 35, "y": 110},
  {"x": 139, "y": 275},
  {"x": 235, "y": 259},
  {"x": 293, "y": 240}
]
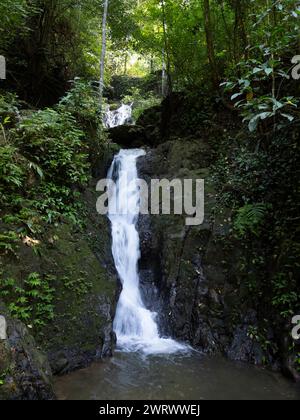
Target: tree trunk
[
  {"x": 240, "y": 33},
  {"x": 103, "y": 53},
  {"x": 164, "y": 81},
  {"x": 167, "y": 65},
  {"x": 125, "y": 62},
  {"x": 210, "y": 43}
]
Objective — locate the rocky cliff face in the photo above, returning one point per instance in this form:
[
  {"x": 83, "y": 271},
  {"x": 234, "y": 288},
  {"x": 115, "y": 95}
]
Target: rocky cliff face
[
  {"x": 86, "y": 293},
  {"x": 25, "y": 373},
  {"x": 194, "y": 269}
]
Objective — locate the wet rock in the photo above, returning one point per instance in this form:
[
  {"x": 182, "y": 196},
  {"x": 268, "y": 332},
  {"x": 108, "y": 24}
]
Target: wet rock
[
  {"x": 183, "y": 289},
  {"x": 149, "y": 264},
  {"x": 289, "y": 368},
  {"x": 60, "y": 363},
  {"x": 245, "y": 348},
  {"x": 101, "y": 163},
  {"x": 24, "y": 368},
  {"x": 196, "y": 279}
]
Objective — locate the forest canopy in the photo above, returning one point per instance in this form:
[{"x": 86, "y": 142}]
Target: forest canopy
[{"x": 49, "y": 42}]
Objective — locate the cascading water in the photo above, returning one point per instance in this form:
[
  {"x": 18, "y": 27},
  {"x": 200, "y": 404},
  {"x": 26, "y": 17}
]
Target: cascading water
[
  {"x": 135, "y": 326},
  {"x": 120, "y": 116}
]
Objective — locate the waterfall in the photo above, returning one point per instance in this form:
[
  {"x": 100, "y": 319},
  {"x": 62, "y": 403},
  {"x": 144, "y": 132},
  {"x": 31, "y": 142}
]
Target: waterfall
[
  {"x": 135, "y": 326},
  {"x": 120, "y": 116}
]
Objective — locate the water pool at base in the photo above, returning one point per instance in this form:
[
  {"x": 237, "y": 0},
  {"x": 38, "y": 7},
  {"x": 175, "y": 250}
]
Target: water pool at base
[{"x": 131, "y": 376}]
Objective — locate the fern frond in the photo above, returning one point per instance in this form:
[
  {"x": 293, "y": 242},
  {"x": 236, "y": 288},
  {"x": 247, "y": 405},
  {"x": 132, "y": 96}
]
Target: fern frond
[{"x": 250, "y": 217}]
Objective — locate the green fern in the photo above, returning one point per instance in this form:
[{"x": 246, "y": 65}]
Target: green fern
[{"x": 249, "y": 218}]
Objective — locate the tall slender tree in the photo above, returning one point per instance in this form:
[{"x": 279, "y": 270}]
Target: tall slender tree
[
  {"x": 210, "y": 42},
  {"x": 166, "y": 54},
  {"x": 103, "y": 52},
  {"x": 240, "y": 38}
]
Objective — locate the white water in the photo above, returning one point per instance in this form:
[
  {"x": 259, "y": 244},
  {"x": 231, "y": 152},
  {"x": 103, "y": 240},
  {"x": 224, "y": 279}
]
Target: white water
[
  {"x": 118, "y": 117},
  {"x": 135, "y": 326}
]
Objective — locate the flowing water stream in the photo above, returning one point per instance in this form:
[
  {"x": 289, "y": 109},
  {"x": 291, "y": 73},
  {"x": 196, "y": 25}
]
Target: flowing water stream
[
  {"x": 120, "y": 116},
  {"x": 147, "y": 366},
  {"x": 135, "y": 326}
]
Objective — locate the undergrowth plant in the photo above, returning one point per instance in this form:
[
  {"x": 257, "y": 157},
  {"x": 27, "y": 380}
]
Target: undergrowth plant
[
  {"x": 42, "y": 168},
  {"x": 250, "y": 218},
  {"x": 31, "y": 302},
  {"x": 53, "y": 141}
]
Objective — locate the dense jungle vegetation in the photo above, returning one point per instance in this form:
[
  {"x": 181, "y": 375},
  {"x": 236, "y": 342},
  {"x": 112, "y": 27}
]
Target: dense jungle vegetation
[{"x": 238, "y": 55}]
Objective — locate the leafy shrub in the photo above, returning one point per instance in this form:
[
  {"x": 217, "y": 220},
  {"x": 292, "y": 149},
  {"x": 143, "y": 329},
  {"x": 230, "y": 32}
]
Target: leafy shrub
[
  {"x": 8, "y": 242},
  {"x": 248, "y": 91},
  {"x": 33, "y": 302},
  {"x": 242, "y": 176},
  {"x": 82, "y": 101},
  {"x": 11, "y": 171},
  {"x": 261, "y": 186},
  {"x": 15, "y": 14},
  {"x": 266, "y": 107},
  {"x": 285, "y": 295},
  {"x": 16, "y": 173},
  {"x": 9, "y": 114},
  {"x": 41, "y": 169},
  {"x": 52, "y": 140},
  {"x": 56, "y": 200},
  {"x": 25, "y": 218},
  {"x": 8, "y": 104}
]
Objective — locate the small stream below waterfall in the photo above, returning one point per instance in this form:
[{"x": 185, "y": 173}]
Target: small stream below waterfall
[{"x": 147, "y": 366}]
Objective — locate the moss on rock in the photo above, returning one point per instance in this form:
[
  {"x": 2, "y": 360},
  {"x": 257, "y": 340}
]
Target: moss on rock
[{"x": 78, "y": 265}]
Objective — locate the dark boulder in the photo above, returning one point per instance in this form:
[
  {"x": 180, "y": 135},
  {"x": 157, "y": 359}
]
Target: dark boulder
[{"x": 128, "y": 136}]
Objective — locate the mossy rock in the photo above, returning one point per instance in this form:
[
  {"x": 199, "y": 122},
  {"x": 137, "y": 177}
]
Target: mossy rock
[{"x": 81, "y": 272}]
